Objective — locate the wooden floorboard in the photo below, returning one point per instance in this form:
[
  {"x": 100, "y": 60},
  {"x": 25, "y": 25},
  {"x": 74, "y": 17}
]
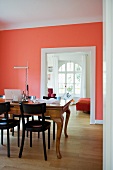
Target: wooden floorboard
[{"x": 82, "y": 150}]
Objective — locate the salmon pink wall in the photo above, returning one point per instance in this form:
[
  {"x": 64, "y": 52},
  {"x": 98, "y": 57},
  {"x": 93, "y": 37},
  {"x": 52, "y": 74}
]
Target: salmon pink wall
[{"x": 17, "y": 47}]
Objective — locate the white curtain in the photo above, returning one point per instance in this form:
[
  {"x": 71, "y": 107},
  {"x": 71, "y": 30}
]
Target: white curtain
[
  {"x": 55, "y": 75},
  {"x": 83, "y": 78}
]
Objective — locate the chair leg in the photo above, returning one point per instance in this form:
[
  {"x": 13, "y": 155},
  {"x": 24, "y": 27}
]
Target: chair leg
[
  {"x": 49, "y": 138},
  {"x": 44, "y": 146},
  {"x": 1, "y": 136},
  {"x": 19, "y": 135},
  {"x": 27, "y": 134},
  {"x": 12, "y": 131},
  {"x": 53, "y": 130},
  {"x": 13, "y": 128},
  {"x": 8, "y": 144},
  {"x": 32, "y": 118},
  {"x": 27, "y": 130},
  {"x": 38, "y": 134},
  {"x": 22, "y": 144},
  {"x": 30, "y": 138}
]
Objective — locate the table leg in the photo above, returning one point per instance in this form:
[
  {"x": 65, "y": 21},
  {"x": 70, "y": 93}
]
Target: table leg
[
  {"x": 59, "y": 122},
  {"x": 66, "y": 122}
]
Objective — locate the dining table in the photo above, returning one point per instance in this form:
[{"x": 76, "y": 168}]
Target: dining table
[{"x": 56, "y": 112}]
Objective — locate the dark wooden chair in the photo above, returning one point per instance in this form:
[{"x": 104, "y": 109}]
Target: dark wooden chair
[
  {"x": 6, "y": 124},
  {"x": 34, "y": 125},
  {"x": 18, "y": 116},
  {"x": 2, "y": 117}
]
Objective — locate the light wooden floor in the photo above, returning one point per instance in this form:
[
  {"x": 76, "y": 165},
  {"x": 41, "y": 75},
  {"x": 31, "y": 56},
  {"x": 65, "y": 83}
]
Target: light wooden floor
[{"x": 82, "y": 150}]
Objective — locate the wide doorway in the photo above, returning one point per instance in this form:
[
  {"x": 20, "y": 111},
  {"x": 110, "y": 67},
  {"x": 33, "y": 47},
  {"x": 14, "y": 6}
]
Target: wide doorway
[{"x": 90, "y": 51}]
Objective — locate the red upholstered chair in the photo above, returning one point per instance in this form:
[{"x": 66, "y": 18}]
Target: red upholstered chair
[
  {"x": 50, "y": 93},
  {"x": 83, "y": 104}
]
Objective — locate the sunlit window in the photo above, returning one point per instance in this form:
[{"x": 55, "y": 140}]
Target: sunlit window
[
  {"x": 70, "y": 66},
  {"x": 78, "y": 67},
  {"x": 69, "y": 78}
]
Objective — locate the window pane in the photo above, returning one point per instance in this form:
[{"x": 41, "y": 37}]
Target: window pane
[
  {"x": 61, "y": 91},
  {"x": 70, "y": 88},
  {"x": 70, "y": 66},
  {"x": 62, "y": 68},
  {"x": 69, "y": 78},
  {"x": 77, "y": 77},
  {"x": 77, "y": 85},
  {"x": 78, "y": 67},
  {"x": 61, "y": 78},
  {"x": 77, "y": 91},
  {"x": 61, "y": 88}
]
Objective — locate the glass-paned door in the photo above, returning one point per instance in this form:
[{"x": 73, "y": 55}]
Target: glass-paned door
[
  {"x": 69, "y": 78},
  {"x": 61, "y": 77}
]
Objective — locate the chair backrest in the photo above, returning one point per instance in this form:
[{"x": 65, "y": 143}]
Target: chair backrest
[
  {"x": 46, "y": 97},
  {"x": 5, "y": 108},
  {"x": 33, "y": 109}
]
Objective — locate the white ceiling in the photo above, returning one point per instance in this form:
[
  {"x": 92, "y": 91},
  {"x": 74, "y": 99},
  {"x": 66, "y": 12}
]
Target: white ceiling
[{"x": 16, "y": 14}]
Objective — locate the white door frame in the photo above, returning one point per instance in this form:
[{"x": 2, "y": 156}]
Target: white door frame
[
  {"x": 92, "y": 53},
  {"x": 108, "y": 85}
]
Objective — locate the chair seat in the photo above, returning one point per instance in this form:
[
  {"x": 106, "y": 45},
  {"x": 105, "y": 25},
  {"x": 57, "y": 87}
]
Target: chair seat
[
  {"x": 36, "y": 126},
  {"x": 10, "y": 124},
  {"x": 18, "y": 115}
]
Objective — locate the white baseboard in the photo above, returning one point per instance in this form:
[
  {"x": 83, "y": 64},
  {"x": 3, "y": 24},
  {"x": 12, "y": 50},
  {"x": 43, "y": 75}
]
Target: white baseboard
[{"x": 98, "y": 121}]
